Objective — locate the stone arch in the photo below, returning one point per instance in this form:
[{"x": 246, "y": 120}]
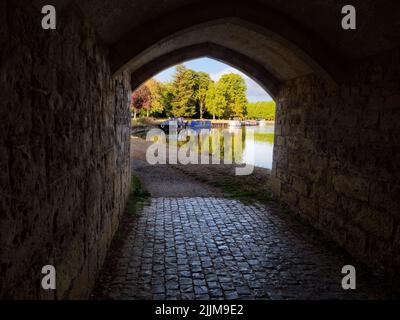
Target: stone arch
[
  {"x": 65, "y": 135},
  {"x": 243, "y": 63},
  {"x": 293, "y": 39}
]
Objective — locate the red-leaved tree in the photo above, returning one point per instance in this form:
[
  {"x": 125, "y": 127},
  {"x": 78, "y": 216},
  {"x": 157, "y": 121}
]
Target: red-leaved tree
[{"x": 141, "y": 99}]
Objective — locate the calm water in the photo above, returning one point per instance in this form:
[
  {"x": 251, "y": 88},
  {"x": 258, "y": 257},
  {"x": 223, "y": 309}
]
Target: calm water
[
  {"x": 250, "y": 145},
  {"x": 258, "y": 145},
  {"x": 259, "y": 151}
]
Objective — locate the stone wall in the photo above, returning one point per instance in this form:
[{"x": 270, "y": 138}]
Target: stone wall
[
  {"x": 64, "y": 145},
  {"x": 337, "y": 159}
]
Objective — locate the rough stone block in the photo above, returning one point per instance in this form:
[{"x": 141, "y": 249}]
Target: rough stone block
[
  {"x": 378, "y": 223},
  {"x": 300, "y": 185},
  {"x": 352, "y": 186},
  {"x": 68, "y": 132},
  {"x": 276, "y": 186},
  {"x": 393, "y": 102}
]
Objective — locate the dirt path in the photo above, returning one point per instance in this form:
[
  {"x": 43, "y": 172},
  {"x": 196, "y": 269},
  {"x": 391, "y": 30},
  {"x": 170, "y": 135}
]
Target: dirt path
[
  {"x": 198, "y": 180},
  {"x": 165, "y": 180}
]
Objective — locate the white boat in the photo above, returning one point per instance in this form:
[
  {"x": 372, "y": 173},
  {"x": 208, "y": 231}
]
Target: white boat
[{"x": 235, "y": 123}]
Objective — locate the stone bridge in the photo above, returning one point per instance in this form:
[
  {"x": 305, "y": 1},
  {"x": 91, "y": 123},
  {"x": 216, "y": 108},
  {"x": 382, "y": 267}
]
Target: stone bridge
[{"x": 65, "y": 121}]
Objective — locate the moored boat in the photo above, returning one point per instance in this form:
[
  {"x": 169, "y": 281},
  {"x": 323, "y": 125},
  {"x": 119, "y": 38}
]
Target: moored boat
[
  {"x": 235, "y": 123},
  {"x": 199, "y": 124},
  {"x": 250, "y": 123},
  {"x": 173, "y": 123}
]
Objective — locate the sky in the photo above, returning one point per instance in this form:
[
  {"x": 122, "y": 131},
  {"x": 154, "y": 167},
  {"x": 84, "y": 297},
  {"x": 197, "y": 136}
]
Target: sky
[{"x": 216, "y": 69}]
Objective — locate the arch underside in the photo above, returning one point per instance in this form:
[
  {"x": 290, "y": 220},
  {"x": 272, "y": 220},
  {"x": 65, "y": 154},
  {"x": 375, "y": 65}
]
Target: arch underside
[
  {"x": 236, "y": 35},
  {"x": 254, "y": 70}
]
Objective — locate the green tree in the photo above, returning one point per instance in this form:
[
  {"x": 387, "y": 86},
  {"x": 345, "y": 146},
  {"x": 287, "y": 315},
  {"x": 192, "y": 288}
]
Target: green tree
[
  {"x": 215, "y": 100},
  {"x": 184, "y": 92},
  {"x": 261, "y": 109},
  {"x": 234, "y": 89},
  {"x": 204, "y": 81},
  {"x": 156, "y": 104},
  {"x": 167, "y": 95}
]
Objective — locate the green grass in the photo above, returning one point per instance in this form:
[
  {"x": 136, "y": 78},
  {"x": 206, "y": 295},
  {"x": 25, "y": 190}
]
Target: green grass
[
  {"x": 234, "y": 187},
  {"x": 137, "y": 189},
  {"x": 137, "y": 194},
  {"x": 137, "y": 198},
  {"x": 242, "y": 192}
]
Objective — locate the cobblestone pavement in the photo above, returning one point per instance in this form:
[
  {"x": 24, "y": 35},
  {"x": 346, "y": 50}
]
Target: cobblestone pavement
[{"x": 216, "y": 248}]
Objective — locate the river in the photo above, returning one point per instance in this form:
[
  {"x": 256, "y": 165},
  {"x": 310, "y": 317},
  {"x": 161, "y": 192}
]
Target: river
[{"x": 257, "y": 146}]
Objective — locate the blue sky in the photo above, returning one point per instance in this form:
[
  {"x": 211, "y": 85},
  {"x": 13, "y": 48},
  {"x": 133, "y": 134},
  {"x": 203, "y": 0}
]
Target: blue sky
[{"x": 216, "y": 69}]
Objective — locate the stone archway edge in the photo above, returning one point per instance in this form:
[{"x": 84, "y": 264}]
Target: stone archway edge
[
  {"x": 324, "y": 60},
  {"x": 256, "y": 71}
]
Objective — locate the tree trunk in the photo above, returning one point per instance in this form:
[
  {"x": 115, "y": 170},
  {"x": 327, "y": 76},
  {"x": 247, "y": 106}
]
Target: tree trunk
[
  {"x": 213, "y": 116},
  {"x": 134, "y": 114},
  {"x": 148, "y": 113},
  {"x": 201, "y": 111}
]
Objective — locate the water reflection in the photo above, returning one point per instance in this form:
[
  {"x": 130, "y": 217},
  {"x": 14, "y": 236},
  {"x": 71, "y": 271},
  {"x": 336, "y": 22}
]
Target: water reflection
[
  {"x": 252, "y": 145},
  {"x": 257, "y": 151}
]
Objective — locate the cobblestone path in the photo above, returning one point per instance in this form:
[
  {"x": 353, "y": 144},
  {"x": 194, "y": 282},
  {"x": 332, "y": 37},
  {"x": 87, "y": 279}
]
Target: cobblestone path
[{"x": 216, "y": 248}]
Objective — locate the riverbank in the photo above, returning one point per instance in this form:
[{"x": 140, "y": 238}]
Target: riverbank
[
  {"x": 198, "y": 179},
  {"x": 156, "y": 121},
  {"x": 140, "y": 127}
]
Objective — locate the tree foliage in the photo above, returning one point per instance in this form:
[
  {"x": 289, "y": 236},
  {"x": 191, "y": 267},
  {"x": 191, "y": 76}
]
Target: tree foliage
[
  {"x": 167, "y": 96},
  {"x": 215, "y": 100},
  {"x": 263, "y": 109},
  {"x": 184, "y": 92},
  {"x": 141, "y": 99},
  {"x": 234, "y": 89},
  {"x": 204, "y": 81},
  {"x": 156, "y": 104},
  {"x": 193, "y": 94}
]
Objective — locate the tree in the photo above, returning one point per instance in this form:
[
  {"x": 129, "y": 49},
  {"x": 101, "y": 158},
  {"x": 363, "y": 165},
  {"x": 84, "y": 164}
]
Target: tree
[
  {"x": 141, "y": 99},
  {"x": 215, "y": 100},
  {"x": 193, "y": 92},
  {"x": 156, "y": 105},
  {"x": 184, "y": 92},
  {"x": 234, "y": 88},
  {"x": 261, "y": 109},
  {"x": 204, "y": 81},
  {"x": 167, "y": 96}
]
